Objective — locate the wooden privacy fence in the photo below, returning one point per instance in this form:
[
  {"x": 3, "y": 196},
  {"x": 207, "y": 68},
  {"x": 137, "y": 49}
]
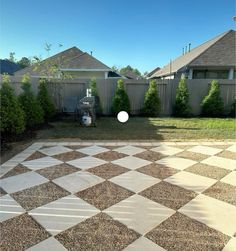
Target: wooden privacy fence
[{"x": 136, "y": 89}]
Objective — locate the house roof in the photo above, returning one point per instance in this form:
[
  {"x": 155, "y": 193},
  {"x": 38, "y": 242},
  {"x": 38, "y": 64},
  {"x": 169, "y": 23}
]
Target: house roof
[
  {"x": 8, "y": 67},
  {"x": 219, "y": 51},
  {"x": 72, "y": 58}
]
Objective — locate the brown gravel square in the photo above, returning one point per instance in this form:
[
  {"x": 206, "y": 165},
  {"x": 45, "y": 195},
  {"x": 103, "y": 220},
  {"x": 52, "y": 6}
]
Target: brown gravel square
[
  {"x": 36, "y": 155},
  {"x": 208, "y": 171},
  {"x": 150, "y": 155},
  {"x": 192, "y": 155},
  {"x": 168, "y": 195},
  {"x": 108, "y": 170},
  {"x": 180, "y": 232},
  {"x": 69, "y": 156},
  {"x": 158, "y": 171},
  {"x": 222, "y": 191},
  {"x": 37, "y": 196},
  {"x": 57, "y": 171},
  {"x": 20, "y": 233},
  {"x": 110, "y": 156},
  {"x": 104, "y": 194},
  {"x": 2, "y": 192},
  {"x": 99, "y": 233},
  {"x": 19, "y": 169},
  {"x": 227, "y": 154}
]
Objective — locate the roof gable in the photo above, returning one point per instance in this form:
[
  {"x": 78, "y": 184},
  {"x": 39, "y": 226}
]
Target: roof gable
[{"x": 189, "y": 57}]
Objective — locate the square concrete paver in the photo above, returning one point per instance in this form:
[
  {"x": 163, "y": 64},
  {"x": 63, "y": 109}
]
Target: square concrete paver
[
  {"x": 139, "y": 213},
  {"x": 48, "y": 244},
  {"x": 78, "y": 181},
  {"x": 220, "y": 162},
  {"x": 167, "y": 150},
  {"x": 9, "y": 208},
  {"x": 191, "y": 181},
  {"x": 63, "y": 213},
  {"x": 22, "y": 181},
  {"x": 134, "y": 181},
  {"x": 205, "y": 150},
  {"x": 86, "y": 162},
  {"x": 230, "y": 178},
  {"x": 176, "y": 162},
  {"x": 214, "y": 213},
  {"x": 163, "y": 196},
  {"x": 93, "y": 150},
  {"x": 131, "y": 162},
  {"x": 231, "y": 148},
  {"x": 142, "y": 244},
  {"x": 129, "y": 150},
  {"x": 41, "y": 163}
]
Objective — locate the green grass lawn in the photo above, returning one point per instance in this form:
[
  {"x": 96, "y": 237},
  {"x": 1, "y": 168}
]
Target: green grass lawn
[{"x": 139, "y": 128}]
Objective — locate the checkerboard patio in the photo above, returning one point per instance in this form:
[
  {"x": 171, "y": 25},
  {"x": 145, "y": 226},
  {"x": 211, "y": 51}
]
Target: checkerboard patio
[{"x": 172, "y": 196}]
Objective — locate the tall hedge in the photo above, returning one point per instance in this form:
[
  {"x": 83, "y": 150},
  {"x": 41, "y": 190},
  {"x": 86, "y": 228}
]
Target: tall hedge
[
  {"x": 120, "y": 101},
  {"x": 34, "y": 114},
  {"x": 152, "y": 104},
  {"x": 181, "y": 106},
  {"x": 94, "y": 92},
  {"x": 12, "y": 119},
  {"x": 212, "y": 105},
  {"x": 45, "y": 101}
]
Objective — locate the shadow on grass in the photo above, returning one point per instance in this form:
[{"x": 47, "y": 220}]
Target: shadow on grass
[{"x": 108, "y": 128}]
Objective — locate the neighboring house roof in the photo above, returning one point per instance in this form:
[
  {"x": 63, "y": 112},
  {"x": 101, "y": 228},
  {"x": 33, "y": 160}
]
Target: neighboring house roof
[
  {"x": 8, "y": 67},
  {"x": 131, "y": 75},
  {"x": 70, "y": 59},
  {"x": 149, "y": 74},
  {"x": 219, "y": 51}
]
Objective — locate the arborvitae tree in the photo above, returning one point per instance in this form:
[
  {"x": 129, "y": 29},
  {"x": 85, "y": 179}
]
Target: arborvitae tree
[
  {"x": 181, "y": 106},
  {"x": 212, "y": 104},
  {"x": 12, "y": 119},
  {"x": 94, "y": 92},
  {"x": 33, "y": 111},
  {"x": 45, "y": 101},
  {"x": 233, "y": 108},
  {"x": 152, "y": 104},
  {"x": 120, "y": 101}
]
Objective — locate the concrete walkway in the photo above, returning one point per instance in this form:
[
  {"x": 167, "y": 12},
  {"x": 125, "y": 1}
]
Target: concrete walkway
[{"x": 120, "y": 196}]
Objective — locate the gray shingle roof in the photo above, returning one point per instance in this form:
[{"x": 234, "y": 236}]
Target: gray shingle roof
[
  {"x": 72, "y": 58},
  {"x": 219, "y": 51}
]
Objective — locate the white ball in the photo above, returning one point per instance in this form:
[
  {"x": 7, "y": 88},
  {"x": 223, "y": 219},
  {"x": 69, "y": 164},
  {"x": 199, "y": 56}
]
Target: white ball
[{"x": 122, "y": 116}]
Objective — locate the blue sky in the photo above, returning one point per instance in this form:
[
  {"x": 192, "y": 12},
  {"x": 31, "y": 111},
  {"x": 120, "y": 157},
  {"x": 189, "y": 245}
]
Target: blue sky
[{"x": 143, "y": 34}]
